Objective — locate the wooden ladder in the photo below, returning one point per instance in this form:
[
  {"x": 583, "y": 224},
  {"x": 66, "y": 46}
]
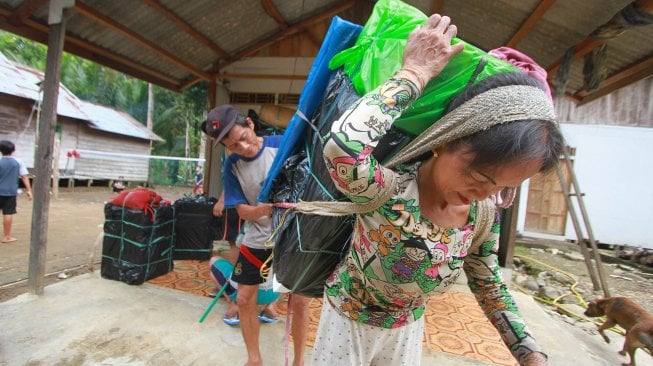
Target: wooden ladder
[{"x": 599, "y": 283}]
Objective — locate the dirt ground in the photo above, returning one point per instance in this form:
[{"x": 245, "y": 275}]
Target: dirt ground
[
  {"x": 76, "y": 218},
  {"x": 623, "y": 278}
]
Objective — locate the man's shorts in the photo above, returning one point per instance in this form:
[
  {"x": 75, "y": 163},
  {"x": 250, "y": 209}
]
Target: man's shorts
[
  {"x": 246, "y": 272},
  {"x": 232, "y": 224},
  {"x": 8, "y": 205}
]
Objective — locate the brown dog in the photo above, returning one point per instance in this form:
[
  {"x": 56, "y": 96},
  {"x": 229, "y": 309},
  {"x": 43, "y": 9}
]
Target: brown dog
[{"x": 637, "y": 322}]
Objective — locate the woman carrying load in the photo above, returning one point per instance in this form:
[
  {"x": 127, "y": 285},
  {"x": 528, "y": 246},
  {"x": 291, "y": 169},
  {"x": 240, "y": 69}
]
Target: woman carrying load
[{"x": 430, "y": 217}]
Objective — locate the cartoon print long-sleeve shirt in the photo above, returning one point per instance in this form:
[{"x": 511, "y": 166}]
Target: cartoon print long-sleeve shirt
[{"x": 399, "y": 258}]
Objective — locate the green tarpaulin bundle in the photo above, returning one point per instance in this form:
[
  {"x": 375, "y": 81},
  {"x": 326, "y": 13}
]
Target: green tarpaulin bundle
[{"x": 378, "y": 54}]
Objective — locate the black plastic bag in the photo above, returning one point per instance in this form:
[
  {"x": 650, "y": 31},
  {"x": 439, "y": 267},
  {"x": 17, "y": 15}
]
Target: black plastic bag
[
  {"x": 308, "y": 247},
  {"x": 196, "y": 228},
  {"x": 137, "y": 246}
]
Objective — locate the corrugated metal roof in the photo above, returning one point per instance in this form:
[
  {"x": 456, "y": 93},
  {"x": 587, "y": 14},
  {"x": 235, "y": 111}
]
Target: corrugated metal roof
[
  {"x": 23, "y": 81},
  {"x": 114, "y": 121},
  {"x": 174, "y": 44}
]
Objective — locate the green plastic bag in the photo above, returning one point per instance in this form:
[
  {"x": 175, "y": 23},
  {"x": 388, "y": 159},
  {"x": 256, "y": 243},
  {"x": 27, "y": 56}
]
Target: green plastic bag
[{"x": 378, "y": 54}]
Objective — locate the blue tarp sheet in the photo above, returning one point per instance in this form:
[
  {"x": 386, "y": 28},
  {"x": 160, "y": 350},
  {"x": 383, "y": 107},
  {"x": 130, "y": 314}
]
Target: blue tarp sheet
[{"x": 340, "y": 36}]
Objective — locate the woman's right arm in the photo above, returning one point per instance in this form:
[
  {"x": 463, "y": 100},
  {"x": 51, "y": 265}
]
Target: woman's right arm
[{"x": 354, "y": 135}]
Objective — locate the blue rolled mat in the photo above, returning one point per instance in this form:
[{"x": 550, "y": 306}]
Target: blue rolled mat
[{"x": 340, "y": 36}]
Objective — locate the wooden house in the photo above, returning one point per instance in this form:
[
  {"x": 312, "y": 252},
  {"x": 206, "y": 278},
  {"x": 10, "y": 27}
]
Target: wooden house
[{"x": 109, "y": 143}]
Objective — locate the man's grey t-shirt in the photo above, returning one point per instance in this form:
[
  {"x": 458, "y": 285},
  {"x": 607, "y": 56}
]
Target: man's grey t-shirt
[{"x": 243, "y": 179}]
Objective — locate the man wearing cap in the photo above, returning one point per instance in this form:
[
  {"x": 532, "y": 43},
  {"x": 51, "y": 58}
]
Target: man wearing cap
[{"x": 243, "y": 174}]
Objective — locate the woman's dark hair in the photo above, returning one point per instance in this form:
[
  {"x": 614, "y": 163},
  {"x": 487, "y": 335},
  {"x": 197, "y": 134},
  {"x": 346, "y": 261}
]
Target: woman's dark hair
[{"x": 513, "y": 142}]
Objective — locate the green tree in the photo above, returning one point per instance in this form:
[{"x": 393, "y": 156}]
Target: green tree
[
  {"x": 177, "y": 118},
  {"x": 23, "y": 51}
]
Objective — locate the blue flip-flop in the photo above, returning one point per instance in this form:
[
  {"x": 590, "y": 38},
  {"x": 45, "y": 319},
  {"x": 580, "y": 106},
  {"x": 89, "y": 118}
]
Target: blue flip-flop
[
  {"x": 231, "y": 321},
  {"x": 265, "y": 319}
]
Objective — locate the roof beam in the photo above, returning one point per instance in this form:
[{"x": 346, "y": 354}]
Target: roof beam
[
  {"x": 583, "y": 48},
  {"x": 183, "y": 25},
  {"x": 312, "y": 38},
  {"x": 92, "y": 14},
  {"x": 39, "y": 32},
  {"x": 25, "y": 10},
  {"x": 292, "y": 29},
  {"x": 639, "y": 70},
  {"x": 588, "y": 44},
  {"x": 274, "y": 13},
  {"x": 261, "y": 76},
  {"x": 646, "y": 5},
  {"x": 438, "y": 5},
  {"x": 526, "y": 27}
]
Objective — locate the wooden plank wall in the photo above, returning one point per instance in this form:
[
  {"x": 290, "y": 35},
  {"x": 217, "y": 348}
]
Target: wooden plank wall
[
  {"x": 69, "y": 137},
  {"x": 16, "y": 126},
  {"x": 630, "y": 106},
  {"x": 108, "y": 167}
]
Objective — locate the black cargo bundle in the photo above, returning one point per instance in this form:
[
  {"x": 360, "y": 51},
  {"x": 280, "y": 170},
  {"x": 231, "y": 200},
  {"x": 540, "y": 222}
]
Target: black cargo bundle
[
  {"x": 196, "y": 228},
  {"x": 137, "y": 244},
  {"x": 308, "y": 247}
]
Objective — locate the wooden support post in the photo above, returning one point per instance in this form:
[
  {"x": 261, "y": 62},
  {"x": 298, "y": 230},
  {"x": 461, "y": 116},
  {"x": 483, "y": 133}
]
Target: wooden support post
[
  {"x": 150, "y": 126},
  {"x": 508, "y": 234},
  {"x": 55, "y": 165},
  {"x": 210, "y": 167},
  {"x": 43, "y": 159}
]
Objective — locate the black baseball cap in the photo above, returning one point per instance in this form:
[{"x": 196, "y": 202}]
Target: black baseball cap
[{"x": 220, "y": 121}]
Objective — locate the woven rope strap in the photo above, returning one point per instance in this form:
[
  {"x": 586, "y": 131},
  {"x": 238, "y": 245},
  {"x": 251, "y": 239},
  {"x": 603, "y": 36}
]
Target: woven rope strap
[
  {"x": 493, "y": 107},
  {"x": 336, "y": 208}
]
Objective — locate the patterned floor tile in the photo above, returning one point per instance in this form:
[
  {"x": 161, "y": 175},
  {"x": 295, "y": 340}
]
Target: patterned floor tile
[{"x": 454, "y": 322}]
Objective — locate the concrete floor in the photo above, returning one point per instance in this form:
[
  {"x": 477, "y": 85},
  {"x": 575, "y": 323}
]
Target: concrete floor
[{"x": 87, "y": 320}]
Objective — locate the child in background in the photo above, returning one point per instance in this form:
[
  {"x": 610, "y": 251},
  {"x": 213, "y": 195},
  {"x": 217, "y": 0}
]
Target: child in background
[
  {"x": 119, "y": 185},
  {"x": 198, "y": 188},
  {"x": 11, "y": 169}
]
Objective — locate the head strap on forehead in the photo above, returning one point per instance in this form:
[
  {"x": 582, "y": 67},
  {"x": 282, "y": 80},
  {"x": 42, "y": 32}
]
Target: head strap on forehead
[
  {"x": 499, "y": 105},
  {"x": 495, "y": 106}
]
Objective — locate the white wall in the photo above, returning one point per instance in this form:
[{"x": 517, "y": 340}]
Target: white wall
[{"x": 614, "y": 168}]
